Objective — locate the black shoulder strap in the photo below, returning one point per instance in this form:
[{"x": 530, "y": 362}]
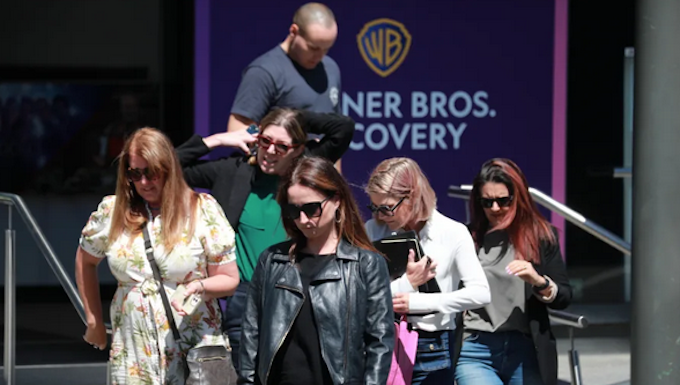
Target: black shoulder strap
[{"x": 161, "y": 289}]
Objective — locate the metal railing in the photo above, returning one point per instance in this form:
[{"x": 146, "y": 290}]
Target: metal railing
[
  {"x": 573, "y": 321},
  {"x": 570, "y": 215},
  {"x": 15, "y": 201}
]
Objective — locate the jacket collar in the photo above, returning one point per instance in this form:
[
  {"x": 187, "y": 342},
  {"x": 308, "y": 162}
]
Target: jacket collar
[{"x": 344, "y": 251}]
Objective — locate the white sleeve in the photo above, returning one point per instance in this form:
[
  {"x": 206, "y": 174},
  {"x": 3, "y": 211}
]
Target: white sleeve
[{"x": 474, "y": 295}]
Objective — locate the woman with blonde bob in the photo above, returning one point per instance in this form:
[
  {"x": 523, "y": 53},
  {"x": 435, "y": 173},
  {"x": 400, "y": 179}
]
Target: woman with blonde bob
[
  {"x": 193, "y": 244},
  {"x": 402, "y": 200}
]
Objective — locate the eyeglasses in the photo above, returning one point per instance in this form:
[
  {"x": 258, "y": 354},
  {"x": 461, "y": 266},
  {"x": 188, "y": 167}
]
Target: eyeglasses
[
  {"x": 384, "y": 209},
  {"x": 281, "y": 148},
  {"x": 136, "y": 174},
  {"x": 502, "y": 201},
  {"x": 311, "y": 209}
]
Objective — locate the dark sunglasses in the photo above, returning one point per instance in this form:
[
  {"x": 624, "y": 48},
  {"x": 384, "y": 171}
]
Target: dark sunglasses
[
  {"x": 281, "y": 148},
  {"x": 136, "y": 174},
  {"x": 502, "y": 202},
  {"x": 384, "y": 209},
  {"x": 311, "y": 209}
]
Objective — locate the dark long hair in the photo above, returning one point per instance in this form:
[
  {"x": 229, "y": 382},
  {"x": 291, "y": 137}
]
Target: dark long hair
[
  {"x": 319, "y": 174},
  {"x": 528, "y": 226}
]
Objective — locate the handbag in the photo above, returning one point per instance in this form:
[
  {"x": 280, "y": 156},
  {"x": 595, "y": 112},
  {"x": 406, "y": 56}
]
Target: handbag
[
  {"x": 205, "y": 365},
  {"x": 404, "y": 354}
]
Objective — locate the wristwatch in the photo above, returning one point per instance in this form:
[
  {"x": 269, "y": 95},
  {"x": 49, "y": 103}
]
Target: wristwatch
[{"x": 544, "y": 286}]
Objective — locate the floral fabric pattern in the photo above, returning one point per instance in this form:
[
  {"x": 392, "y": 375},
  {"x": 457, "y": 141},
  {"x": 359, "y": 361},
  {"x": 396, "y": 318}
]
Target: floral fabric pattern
[{"x": 143, "y": 350}]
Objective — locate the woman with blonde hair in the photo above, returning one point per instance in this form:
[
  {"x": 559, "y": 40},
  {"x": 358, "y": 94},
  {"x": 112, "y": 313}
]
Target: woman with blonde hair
[
  {"x": 402, "y": 200},
  {"x": 192, "y": 244}
]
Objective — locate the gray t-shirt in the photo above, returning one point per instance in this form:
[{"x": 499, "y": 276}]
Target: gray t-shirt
[
  {"x": 275, "y": 80},
  {"x": 506, "y": 311}
]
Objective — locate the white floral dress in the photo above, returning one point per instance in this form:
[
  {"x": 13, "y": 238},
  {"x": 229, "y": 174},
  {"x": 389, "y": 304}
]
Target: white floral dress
[{"x": 143, "y": 350}]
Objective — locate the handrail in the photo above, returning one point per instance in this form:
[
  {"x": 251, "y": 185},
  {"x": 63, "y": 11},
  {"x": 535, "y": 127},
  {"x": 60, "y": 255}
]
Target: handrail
[
  {"x": 561, "y": 317},
  {"x": 570, "y": 215},
  {"x": 13, "y": 200},
  {"x": 623, "y": 172},
  {"x": 39, "y": 237}
]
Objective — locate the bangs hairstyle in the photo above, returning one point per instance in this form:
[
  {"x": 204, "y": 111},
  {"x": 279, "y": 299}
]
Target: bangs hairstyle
[
  {"x": 528, "y": 227},
  {"x": 179, "y": 202},
  {"x": 287, "y": 118},
  {"x": 402, "y": 177},
  {"x": 320, "y": 175}
]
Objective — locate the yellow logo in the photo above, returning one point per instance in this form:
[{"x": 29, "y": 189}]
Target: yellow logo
[{"x": 384, "y": 44}]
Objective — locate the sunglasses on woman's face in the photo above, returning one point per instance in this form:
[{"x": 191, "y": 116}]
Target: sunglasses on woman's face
[
  {"x": 311, "y": 209},
  {"x": 281, "y": 148},
  {"x": 487, "y": 203},
  {"x": 136, "y": 174},
  {"x": 384, "y": 209}
]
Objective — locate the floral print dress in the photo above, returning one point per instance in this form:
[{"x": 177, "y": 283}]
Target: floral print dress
[{"x": 143, "y": 350}]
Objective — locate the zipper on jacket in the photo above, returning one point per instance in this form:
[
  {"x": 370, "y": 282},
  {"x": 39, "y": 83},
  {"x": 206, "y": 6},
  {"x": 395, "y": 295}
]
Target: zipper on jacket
[
  {"x": 271, "y": 362},
  {"x": 349, "y": 307}
]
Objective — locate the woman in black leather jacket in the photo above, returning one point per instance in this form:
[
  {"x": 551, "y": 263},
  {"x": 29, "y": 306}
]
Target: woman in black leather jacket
[{"x": 319, "y": 309}]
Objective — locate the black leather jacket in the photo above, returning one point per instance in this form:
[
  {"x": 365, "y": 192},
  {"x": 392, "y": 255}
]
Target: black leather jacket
[{"x": 352, "y": 305}]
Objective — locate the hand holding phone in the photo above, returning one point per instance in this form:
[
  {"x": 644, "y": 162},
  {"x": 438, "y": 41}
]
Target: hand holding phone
[
  {"x": 189, "y": 303},
  {"x": 252, "y": 130}
]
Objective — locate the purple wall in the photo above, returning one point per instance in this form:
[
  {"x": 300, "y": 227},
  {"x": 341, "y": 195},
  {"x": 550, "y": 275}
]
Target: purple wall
[{"x": 507, "y": 59}]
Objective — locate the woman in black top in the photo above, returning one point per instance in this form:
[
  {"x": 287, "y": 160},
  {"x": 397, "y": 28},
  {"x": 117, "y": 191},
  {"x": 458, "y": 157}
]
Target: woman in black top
[
  {"x": 319, "y": 310},
  {"x": 245, "y": 185}
]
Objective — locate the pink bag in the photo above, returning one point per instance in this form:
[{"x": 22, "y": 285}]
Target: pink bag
[{"x": 404, "y": 355}]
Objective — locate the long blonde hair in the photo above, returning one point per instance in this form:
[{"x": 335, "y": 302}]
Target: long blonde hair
[
  {"x": 403, "y": 178},
  {"x": 178, "y": 202}
]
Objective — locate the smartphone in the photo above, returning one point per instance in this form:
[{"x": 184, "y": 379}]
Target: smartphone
[
  {"x": 252, "y": 130},
  {"x": 190, "y": 303}
]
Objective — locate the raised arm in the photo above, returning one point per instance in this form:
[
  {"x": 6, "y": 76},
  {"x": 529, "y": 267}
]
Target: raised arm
[
  {"x": 337, "y": 131},
  {"x": 202, "y": 173}
]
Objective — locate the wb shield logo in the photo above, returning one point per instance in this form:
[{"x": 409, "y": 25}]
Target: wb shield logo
[{"x": 384, "y": 44}]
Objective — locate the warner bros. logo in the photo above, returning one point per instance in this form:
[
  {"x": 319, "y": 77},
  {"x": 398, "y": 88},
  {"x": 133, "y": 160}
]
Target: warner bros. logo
[{"x": 384, "y": 44}]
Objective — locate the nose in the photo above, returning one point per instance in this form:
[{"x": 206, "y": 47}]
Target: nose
[
  {"x": 495, "y": 207},
  {"x": 271, "y": 149},
  {"x": 303, "y": 218}
]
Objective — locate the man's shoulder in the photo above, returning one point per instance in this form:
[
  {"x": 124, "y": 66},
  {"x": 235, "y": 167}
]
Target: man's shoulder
[
  {"x": 330, "y": 64},
  {"x": 269, "y": 61}
]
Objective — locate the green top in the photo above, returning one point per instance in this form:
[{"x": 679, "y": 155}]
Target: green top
[{"x": 260, "y": 225}]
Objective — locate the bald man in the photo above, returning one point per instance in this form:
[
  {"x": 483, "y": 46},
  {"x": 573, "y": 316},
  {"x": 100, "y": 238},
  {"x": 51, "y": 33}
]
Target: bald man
[{"x": 296, "y": 73}]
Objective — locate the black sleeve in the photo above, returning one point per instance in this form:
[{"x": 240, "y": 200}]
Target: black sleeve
[
  {"x": 255, "y": 95},
  {"x": 197, "y": 173},
  {"x": 337, "y": 131},
  {"x": 250, "y": 326},
  {"x": 553, "y": 266},
  {"x": 379, "y": 333}
]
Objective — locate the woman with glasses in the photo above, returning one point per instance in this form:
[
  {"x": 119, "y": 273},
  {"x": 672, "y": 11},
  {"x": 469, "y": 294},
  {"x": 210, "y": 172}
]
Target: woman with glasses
[
  {"x": 509, "y": 341},
  {"x": 192, "y": 243},
  {"x": 402, "y": 200},
  {"x": 319, "y": 309},
  {"x": 246, "y": 186}
]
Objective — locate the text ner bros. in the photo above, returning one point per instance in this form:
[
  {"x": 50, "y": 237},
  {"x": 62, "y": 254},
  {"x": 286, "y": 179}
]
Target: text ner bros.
[{"x": 424, "y": 134}]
